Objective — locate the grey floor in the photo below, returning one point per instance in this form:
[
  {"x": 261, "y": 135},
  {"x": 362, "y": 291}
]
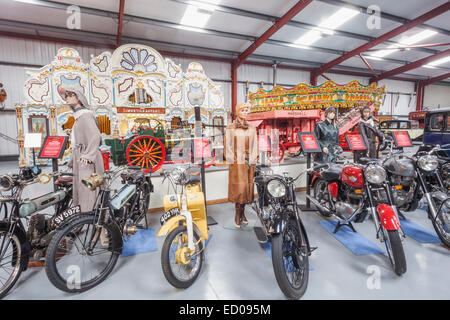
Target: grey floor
[{"x": 237, "y": 267}]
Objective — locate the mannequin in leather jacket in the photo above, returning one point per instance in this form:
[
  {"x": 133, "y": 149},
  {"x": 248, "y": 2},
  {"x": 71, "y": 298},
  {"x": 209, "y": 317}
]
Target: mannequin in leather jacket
[
  {"x": 327, "y": 133},
  {"x": 369, "y": 133}
]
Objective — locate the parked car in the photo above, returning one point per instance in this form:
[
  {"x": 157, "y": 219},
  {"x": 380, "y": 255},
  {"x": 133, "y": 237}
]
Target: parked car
[
  {"x": 437, "y": 128},
  {"x": 413, "y": 128}
]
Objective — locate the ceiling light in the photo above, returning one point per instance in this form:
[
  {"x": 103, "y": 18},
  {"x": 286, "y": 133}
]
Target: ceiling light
[
  {"x": 296, "y": 45},
  {"x": 195, "y": 16},
  {"x": 309, "y": 37},
  {"x": 438, "y": 62},
  {"x": 327, "y": 26},
  {"x": 211, "y": 5},
  {"x": 338, "y": 18},
  {"x": 374, "y": 58}
]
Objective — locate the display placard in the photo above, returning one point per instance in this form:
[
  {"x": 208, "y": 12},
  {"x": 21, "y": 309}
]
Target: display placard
[
  {"x": 264, "y": 143},
  {"x": 53, "y": 147},
  {"x": 202, "y": 149},
  {"x": 355, "y": 142},
  {"x": 401, "y": 139},
  {"x": 309, "y": 142}
]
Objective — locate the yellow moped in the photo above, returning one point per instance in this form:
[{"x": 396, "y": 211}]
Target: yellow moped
[{"x": 185, "y": 227}]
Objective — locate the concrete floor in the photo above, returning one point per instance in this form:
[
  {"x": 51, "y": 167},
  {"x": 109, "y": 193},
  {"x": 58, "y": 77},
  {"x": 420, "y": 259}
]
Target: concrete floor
[{"x": 237, "y": 267}]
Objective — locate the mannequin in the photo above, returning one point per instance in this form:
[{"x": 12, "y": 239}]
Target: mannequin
[
  {"x": 241, "y": 153},
  {"x": 369, "y": 133},
  {"x": 86, "y": 139},
  {"x": 327, "y": 132}
]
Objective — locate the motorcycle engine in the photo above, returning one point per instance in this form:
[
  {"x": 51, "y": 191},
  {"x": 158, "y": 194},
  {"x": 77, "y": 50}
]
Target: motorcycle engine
[
  {"x": 345, "y": 210},
  {"x": 39, "y": 231},
  {"x": 404, "y": 194}
]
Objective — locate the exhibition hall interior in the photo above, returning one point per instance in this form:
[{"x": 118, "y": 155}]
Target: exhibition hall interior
[{"x": 224, "y": 150}]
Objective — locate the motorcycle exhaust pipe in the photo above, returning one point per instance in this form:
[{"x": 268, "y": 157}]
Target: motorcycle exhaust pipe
[{"x": 319, "y": 206}]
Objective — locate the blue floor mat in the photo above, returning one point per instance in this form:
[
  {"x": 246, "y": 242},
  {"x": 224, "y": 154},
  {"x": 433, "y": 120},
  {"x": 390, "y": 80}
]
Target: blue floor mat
[
  {"x": 418, "y": 232},
  {"x": 354, "y": 241},
  {"x": 143, "y": 241},
  {"x": 267, "y": 246}
]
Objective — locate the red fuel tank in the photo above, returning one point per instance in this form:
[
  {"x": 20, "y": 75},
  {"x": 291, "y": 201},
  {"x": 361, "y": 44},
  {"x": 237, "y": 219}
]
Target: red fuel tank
[{"x": 353, "y": 176}]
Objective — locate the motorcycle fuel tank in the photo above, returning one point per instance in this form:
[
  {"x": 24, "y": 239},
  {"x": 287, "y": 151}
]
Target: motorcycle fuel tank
[
  {"x": 353, "y": 176},
  {"x": 400, "y": 166}
]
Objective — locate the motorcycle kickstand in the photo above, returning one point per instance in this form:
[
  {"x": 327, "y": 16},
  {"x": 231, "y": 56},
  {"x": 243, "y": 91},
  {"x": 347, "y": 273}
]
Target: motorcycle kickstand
[{"x": 339, "y": 225}]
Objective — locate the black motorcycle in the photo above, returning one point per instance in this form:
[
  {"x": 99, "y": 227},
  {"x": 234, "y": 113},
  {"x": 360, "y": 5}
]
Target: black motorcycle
[
  {"x": 22, "y": 247},
  {"x": 276, "y": 207}
]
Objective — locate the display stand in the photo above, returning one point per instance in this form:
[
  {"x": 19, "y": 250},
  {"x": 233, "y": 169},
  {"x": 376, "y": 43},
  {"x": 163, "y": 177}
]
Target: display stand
[
  {"x": 33, "y": 141},
  {"x": 198, "y": 134},
  {"x": 53, "y": 148},
  {"x": 309, "y": 144}
]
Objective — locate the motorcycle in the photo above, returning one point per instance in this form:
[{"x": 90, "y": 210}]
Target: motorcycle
[
  {"x": 85, "y": 249},
  {"x": 185, "y": 227},
  {"x": 350, "y": 192},
  {"x": 23, "y": 247},
  {"x": 276, "y": 207}
]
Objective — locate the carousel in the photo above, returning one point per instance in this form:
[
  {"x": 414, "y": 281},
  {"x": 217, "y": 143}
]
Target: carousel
[
  {"x": 287, "y": 111},
  {"x": 144, "y": 103}
]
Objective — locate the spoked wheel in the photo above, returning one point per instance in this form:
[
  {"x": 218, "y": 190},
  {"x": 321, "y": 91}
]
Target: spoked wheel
[
  {"x": 146, "y": 152},
  {"x": 80, "y": 256},
  {"x": 10, "y": 266},
  {"x": 394, "y": 248},
  {"x": 290, "y": 260},
  {"x": 321, "y": 194},
  {"x": 441, "y": 223},
  {"x": 181, "y": 266},
  {"x": 276, "y": 157}
]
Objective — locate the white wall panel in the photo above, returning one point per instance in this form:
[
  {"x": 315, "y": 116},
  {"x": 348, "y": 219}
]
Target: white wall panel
[
  {"x": 13, "y": 79},
  {"x": 405, "y": 104},
  {"x": 436, "y": 96},
  {"x": 8, "y": 127}
]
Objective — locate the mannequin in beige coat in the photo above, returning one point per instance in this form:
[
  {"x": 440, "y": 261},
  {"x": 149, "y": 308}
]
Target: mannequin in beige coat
[
  {"x": 241, "y": 152},
  {"x": 86, "y": 157}
]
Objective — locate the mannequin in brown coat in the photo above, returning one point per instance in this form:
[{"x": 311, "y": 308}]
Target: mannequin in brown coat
[{"x": 241, "y": 153}]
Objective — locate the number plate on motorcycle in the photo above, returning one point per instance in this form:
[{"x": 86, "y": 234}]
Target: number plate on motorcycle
[
  {"x": 69, "y": 213},
  {"x": 169, "y": 214}
]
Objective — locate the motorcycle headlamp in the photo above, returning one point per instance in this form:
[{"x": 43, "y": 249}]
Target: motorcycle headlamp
[
  {"x": 6, "y": 183},
  {"x": 276, "y": 188},
  {"x": 375, "y": 174},
  {"x": 428, "y": 162}
]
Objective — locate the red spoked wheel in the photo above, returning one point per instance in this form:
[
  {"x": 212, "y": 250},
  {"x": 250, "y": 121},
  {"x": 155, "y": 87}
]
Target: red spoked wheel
[
  {"x": 277, "y": 157},
  {"x": 146, "y": 152}
]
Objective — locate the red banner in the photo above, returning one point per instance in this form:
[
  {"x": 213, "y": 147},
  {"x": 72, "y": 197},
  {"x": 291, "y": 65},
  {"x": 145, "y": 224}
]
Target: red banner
[
  {"x": 355, "y": 142},
  {"x": 142, "y": 110},
  {"x": 202, "y": 148},
  {"x": 53, "y": 147},
  {"x": 402, "y": 139}
]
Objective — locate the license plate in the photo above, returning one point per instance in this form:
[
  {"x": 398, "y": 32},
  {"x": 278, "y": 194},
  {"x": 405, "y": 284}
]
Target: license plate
[
  {"x": 60, "y": 218},
  {"x": 169, "y": 214}
]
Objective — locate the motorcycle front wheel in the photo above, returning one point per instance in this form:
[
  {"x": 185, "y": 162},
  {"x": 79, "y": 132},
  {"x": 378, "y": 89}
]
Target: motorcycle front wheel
[
  {"x": 441, "y": 223},
  {"x": 79, "y": 257},
  {"x": 181, "y": 267},
  {"x": 394, "y": 248},
  {"x": 11, "y": 261},
  {"x": 290, "y": 260}
]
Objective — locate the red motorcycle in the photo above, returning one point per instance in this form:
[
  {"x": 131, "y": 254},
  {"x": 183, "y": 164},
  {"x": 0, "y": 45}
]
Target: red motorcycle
[{"x": 351, "y": 192}]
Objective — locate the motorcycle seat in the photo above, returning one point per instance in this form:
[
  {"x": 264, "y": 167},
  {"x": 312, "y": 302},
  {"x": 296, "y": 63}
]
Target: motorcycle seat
[
  {"x": 332, "y": 173},
  {"x": 366, "y": 160},
  {"x": 64, "y": 180}
]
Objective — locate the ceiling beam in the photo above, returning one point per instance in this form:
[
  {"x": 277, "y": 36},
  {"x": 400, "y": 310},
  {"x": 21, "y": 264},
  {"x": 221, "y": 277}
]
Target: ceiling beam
[
  {"x": 383, "y": 14},
  {"x": 434, "y": 79},
  {"x": 120, "y": 24},
  {"x": 299, "y": 6},
  {"x": 411, "y": 66},
  {"x": 393, "y": 33},
  {"x": 293, "y": 23}
]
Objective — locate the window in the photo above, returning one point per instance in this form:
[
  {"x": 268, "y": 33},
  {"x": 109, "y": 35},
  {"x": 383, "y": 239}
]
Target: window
[
  {"x": 405, "y": 125},
  {"x": 436, "y": 122}
]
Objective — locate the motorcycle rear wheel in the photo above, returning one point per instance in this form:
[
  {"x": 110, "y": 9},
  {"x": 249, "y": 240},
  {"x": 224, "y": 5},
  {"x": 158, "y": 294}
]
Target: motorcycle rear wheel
[
  {"x": 290, "y": 263},
  {"x": 321, "y": 194},
  {"x": 394, "y": 248}
]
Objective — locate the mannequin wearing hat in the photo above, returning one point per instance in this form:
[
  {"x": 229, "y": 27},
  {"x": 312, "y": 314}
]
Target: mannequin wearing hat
[
  {"x": 369, "y": 132},
  {"x": 327, "y": 133},
  {"x": 85, "y": 140},
  {"x": 241, "y": 153}
]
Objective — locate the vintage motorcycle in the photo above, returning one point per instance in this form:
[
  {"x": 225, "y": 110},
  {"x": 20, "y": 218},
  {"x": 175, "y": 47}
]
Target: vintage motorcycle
[
  {"x": 85, "y": 249},
  {"x": 350, "y": 192},
  {"x": 20, "y": 247},
  {"x": 185, "y": 226},
  {"x": 276, "y": 207}
]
